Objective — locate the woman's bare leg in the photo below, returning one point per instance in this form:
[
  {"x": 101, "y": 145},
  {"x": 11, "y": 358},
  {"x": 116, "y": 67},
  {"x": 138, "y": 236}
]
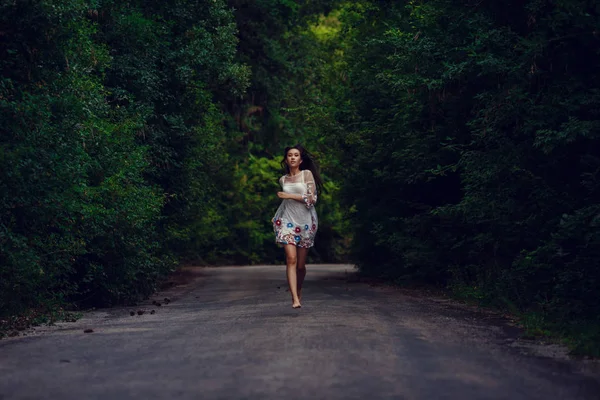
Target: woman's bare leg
[
  {"x": 291, "y": 261},
  {"x": 302, "y": 253}
]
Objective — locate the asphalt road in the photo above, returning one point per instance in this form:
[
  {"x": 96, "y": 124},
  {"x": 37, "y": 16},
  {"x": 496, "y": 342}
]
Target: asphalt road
[{"x": 231, "y": 333}]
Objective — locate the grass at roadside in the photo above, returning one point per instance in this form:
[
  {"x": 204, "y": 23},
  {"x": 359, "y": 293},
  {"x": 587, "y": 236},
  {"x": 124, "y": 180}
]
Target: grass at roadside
[{"x": 581, "y": 337}]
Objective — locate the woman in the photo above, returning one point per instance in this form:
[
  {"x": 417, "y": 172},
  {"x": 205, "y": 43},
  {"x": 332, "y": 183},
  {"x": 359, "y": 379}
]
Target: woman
[{"x": 295, "y": 222}]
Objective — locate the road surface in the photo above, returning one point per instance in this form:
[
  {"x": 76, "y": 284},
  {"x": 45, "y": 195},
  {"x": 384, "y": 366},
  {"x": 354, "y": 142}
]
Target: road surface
[{"x": 230, "y": 333}]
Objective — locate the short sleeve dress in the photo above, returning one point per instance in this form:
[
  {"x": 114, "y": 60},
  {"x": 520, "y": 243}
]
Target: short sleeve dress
[{"x": 296, "y": 222}]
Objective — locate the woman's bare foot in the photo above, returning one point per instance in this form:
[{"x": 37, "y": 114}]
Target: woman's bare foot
[{"x": 296, "y": 302}]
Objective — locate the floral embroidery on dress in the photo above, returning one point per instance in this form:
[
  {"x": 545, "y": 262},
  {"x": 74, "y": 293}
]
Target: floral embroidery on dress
[{"x": 295, "y": 222}]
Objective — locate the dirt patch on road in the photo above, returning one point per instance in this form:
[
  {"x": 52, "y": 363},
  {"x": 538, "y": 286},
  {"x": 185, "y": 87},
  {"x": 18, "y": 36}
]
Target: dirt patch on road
[{"x": 183, "y": 276}]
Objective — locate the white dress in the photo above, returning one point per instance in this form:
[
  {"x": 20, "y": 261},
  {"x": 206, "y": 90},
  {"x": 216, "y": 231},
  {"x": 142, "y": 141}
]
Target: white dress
[{"x": 296, "y": 222}]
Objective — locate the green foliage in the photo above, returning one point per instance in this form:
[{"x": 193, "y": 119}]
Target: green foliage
[
  {"x": 254, "y": 204},
  {"x": 110, "y": 139},
  {"x": 126, "y": 141},
  {"x": 457, "y": 143},
  {"x": 287, "y": 102},
  {"x": 471, "y": 138}
]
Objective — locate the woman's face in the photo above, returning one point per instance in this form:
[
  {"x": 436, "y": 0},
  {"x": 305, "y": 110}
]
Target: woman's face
[{"x": 293, "y": 158}]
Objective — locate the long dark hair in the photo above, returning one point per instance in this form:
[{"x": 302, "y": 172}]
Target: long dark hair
[{"x": 308, "y": 162}]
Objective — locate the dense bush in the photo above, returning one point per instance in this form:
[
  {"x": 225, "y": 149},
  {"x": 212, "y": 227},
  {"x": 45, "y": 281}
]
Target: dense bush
[
  {"x": 139, "y": 135},
  {"x": 111, "y": 142},
  {"x": 282, "y": 106},
  {"x": 473, "y": 149}
]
